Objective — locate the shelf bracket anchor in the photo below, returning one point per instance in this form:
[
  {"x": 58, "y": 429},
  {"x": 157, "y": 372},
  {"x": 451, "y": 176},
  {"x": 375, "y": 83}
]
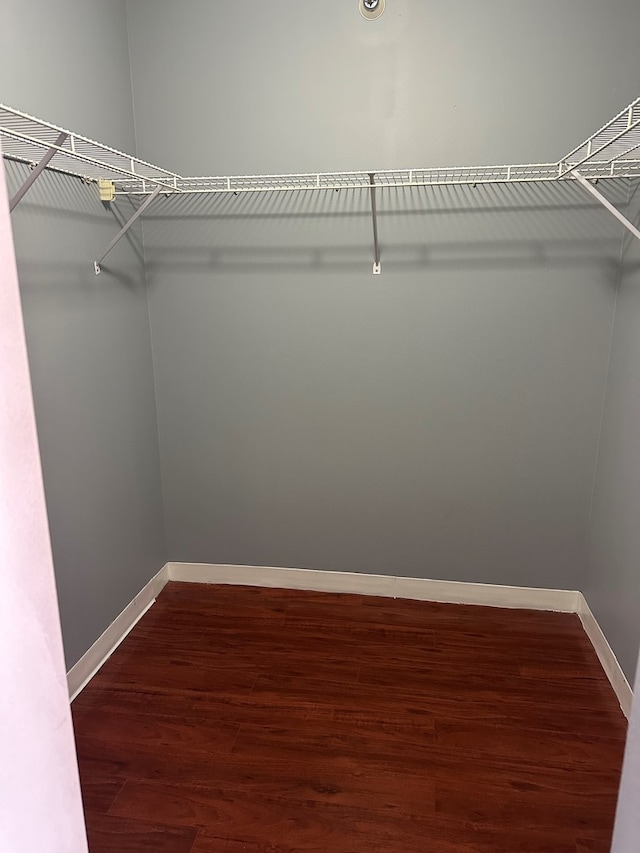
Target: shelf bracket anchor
[
  {"x": 38, "y": 170},
  {"x": 606, "y": 203},
  {"x": 145, "y": 204},
  {"x": 374, "y": 215}
]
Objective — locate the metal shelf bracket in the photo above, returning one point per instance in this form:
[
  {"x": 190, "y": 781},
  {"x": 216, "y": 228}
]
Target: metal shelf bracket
[
  {"x": 145, "y": 204},
  {"x": 38, "y": 170},
  {"x": 374, "y": 215},
  {"x": 606, "y": 203}
]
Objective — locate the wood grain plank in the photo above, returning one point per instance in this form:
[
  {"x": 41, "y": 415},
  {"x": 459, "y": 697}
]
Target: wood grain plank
[
  {"x": 175, "y": 734},
  {"x": 599, "y": 844},
  {"x": 320, "y": 787},
  {"x": 309, "y": 740},
  {"x": 270, "y": 721},
  {"x": 278, "y": 823},
  {"x": 99, "y": 793},
  {"x": 108, "y": 834},
  {"x": 556, "y": 749},
  {"x": 438, "y": 836}
]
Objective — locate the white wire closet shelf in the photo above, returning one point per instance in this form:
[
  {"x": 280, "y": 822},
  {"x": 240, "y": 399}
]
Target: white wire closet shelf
[
  {"x": 27, "y": 139},
  {"x": 612, "y": 144},
  {"x": 606, "y": 155}
]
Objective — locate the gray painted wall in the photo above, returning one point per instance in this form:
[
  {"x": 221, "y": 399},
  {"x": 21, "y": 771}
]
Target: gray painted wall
[
  {"x": 88, "y": 338},
  {"x": 627, "y": 828},
  {"x": 303, "y": 86},
  {"x": 441, "y": 420},
  {"x": 613, "y": 584}
]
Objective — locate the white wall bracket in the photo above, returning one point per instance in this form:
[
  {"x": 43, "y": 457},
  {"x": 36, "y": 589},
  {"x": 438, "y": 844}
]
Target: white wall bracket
[
  {"x": 145, "y": 204},
  {"x": 606, "y": 203},
  {"x": 38, "y": 170},
  {"x": 374, "y": 215}
]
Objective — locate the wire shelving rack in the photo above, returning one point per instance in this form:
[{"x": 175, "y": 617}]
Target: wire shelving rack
[
  {"x": 607, "y": 154},
  {"x": 26, "y": 139}
]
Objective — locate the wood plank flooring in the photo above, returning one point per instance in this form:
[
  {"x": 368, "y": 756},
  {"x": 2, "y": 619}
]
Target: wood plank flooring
[{"x": 242, "y": 720}]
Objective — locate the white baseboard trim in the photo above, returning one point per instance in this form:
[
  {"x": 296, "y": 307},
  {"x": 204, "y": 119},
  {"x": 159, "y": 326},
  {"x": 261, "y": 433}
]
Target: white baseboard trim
[
  {"x": 606, "y": 655},
  {"x": 421, "y": 589},
  {"x": 82, "y": 672}
]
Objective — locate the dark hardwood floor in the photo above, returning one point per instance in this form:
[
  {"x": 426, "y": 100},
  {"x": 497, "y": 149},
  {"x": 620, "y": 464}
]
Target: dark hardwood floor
[{"x": 242, "y": 720}]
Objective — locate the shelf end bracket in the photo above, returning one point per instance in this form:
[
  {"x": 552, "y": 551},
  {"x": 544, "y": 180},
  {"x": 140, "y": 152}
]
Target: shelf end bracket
[
  {"x": 606, "y": 203},
  {"x": 145, "y": 204},
  {"x": 38, "y": 170}
]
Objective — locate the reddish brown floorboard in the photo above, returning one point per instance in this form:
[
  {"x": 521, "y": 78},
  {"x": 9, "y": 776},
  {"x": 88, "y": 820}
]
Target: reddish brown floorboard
[{"x": 242, "y": 720}]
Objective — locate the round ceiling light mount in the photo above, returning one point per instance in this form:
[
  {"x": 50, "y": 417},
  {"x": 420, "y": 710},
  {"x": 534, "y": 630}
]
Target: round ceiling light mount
[{"x": 371, "y": 9}]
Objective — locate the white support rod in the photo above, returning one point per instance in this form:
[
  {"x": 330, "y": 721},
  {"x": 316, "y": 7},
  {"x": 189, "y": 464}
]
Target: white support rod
[
  {"x": 145, "y": 204},
  {"x": 39, "y": 169},
  {"x": 606, "y": 203}
]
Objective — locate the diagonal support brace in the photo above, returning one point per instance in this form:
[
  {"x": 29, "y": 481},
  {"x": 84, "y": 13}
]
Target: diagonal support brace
[
  {"x": 145, "y": 204},
  {"x": 606, "y": 203},
  {"x": 374, "y": 215},
  {"x": 39, "y": 169}
]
